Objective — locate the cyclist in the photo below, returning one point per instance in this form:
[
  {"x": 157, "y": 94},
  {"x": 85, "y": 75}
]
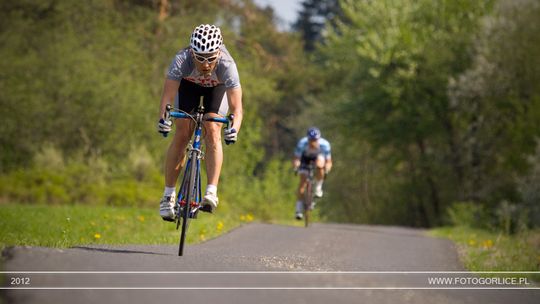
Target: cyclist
[
  {"x": 311, "y": 148},
  {"x": 204, "y": 68}
]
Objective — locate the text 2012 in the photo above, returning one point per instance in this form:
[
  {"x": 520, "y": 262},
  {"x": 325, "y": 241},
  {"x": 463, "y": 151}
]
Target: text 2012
[{"x": 18, "y": 281}]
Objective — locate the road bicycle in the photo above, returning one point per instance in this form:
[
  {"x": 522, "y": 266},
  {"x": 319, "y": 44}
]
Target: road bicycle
[
  {"x": 308, "y": 192},
  {"x": 189, "y": 196}
]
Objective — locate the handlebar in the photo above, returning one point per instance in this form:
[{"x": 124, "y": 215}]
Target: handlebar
[{"x": 224, "y": 120}]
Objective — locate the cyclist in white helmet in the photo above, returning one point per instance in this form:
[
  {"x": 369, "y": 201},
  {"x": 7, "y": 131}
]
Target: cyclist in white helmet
[
  {"x": 311, "y": 148},
  {"x": 205, "y": 68}
]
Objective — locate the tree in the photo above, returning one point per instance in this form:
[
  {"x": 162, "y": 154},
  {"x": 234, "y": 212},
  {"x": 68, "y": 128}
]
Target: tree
[
  {"x": 497, "y": 102},
  {"x": 388, "y": 66},
  {"x": 312, "y": 20}
]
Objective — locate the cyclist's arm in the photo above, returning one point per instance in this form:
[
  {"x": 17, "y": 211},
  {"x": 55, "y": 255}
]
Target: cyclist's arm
[
  {"x": 298, "y": 150},
  {"x": 170, "y": 89},
  {"x": 326, "y": 149},
  {"x": 234, "y": 97},
  {"x": 328, "y": 164},
  {"x": 296, "y": 162}
]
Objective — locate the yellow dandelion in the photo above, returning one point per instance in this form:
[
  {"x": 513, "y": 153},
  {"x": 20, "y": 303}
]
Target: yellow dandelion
[
  {"x": 220, "y": 226},
  {"x": 202, "y": 237},
  {"x": 249, "y": 217},
  {"x": 140, "y": 218},
  {"x": 242, "y": 217},
  {"x": 487, "y": 244},
  {"x": 97, "y": 236},
  {"x": 472, "y": 242}
]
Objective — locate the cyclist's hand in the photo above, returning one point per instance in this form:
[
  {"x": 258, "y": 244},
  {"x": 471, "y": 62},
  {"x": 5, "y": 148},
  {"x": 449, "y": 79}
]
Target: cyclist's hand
[
  {"x": 164, "y": 126},
  {"x": 230, "y": 136}
]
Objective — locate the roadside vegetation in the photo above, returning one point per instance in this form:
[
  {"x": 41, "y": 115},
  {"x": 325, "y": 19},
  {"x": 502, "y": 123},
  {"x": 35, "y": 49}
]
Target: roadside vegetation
[
  {"x": 66, "y": 226},
  {"x": 484, "y": 250}
]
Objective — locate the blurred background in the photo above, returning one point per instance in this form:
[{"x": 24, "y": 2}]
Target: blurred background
[{"x": 432, "y": 107}]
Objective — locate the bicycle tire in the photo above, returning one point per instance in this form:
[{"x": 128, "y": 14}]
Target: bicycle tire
[
  {"x": 182, "y": 194},
  {"x": 308, "y": 198},
  {"x": 191, "y": 192}
]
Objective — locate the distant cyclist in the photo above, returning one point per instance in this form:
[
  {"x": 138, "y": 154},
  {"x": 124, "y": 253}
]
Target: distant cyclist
[
  {"x": 205, "y": 68},
  {"x": 311, "y": 148}
]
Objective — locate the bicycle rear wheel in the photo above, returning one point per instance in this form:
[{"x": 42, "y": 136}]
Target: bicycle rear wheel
[{"x": 191, "y": 193}]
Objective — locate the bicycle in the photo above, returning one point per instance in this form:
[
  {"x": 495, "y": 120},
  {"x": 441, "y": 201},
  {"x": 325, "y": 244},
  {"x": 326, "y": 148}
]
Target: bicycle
[
  {"x": 189, "y": 197},
  {"x": 308, "y": 192}
]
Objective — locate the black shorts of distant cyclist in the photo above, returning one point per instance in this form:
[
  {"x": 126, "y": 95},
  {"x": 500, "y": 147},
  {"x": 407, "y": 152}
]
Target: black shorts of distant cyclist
[
  {"x": 305, "y": 160},
  {"x": 189, "y": 95}
]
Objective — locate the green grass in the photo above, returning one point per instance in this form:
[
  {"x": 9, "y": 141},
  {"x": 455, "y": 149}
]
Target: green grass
[
  {"x": 482, "y": 250},
  {"x": 67, "y": 226}
]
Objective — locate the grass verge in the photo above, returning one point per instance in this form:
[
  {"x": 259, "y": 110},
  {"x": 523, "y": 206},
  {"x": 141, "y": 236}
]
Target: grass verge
[
  {"x": 67, "y": 226},
  {"x": 482, "y": 250}
]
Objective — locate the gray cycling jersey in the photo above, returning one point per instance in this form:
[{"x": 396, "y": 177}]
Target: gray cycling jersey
[{"x": 225, "y": 72}]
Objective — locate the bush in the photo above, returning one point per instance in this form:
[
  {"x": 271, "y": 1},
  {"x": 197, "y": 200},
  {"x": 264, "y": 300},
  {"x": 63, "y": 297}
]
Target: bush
[
  {"x": 512, "y": 218},
  {"x": 467, "y": 214},
  {"x": 49, "y": 157}
]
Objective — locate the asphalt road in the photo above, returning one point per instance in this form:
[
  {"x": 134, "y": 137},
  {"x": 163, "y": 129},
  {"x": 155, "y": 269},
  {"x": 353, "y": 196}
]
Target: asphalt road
[{"x": 257, "y": 263}]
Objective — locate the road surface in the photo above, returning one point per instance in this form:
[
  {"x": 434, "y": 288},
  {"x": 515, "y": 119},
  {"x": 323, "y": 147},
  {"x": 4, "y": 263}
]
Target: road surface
[{"x": 257, "y": 263}]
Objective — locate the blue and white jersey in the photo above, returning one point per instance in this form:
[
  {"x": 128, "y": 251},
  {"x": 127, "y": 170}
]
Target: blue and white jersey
[{"x": 303, "y": 148}]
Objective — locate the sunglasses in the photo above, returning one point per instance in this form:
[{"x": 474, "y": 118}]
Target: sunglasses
[{"x": 202, "y": 58}]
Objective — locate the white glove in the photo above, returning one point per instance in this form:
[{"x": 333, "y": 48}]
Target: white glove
[
  {"x": 230, "y": 136},
  {"x": 164, "y": 126}
]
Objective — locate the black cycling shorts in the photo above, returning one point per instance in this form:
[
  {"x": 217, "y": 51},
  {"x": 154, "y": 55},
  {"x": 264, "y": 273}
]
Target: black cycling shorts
[
  {"x": 306, "y": 160},
  {"x": 189, "y": 95}
]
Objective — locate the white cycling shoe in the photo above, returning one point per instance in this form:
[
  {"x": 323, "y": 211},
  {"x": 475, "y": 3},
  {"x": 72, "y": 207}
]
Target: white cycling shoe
[
  {"x": 209, "y": 203},
  {"x": 166, "y": 208},
  {"x": 318, "y": 191}
]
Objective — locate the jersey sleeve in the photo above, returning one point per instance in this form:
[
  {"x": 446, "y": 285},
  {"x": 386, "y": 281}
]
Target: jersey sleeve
[
  {"x": 180, "y": 66},
  {"x": 326, "y": 149},
  {"x": 300, "y": 146},
  {"x": 230, "y": 77},
  {"x": 227, "y": 72}
]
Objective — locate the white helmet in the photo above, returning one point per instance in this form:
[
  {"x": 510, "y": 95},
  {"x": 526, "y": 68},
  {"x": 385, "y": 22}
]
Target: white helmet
[{"x": 206, "y": 39}]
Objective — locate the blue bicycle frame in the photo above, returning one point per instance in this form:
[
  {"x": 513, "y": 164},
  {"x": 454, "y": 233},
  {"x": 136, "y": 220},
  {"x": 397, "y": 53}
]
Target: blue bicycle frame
[
  {"x": 195, "y": 147},
  {"x": 190, "y": 194}
]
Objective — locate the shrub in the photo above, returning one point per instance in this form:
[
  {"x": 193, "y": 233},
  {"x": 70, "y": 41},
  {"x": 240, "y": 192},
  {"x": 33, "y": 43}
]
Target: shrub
[{"x": 467, "y": 214}]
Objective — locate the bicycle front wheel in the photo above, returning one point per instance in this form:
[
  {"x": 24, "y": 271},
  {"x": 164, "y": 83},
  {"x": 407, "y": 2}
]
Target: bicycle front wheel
[
  {"x": 190, "y": 197},
  {"x": 308, "y": 199}
]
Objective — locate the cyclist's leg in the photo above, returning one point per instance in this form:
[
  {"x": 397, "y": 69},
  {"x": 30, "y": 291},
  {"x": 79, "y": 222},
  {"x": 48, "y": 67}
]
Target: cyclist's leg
[
  {"x": 301, "y": 185},
  {"x": 214, "y": 150},
  {"x": 319, "y": 175},
  {"x": 319, "y": 167},
  {"x": 215, "y": 105},
  {"x": 299, "y": 208},
  {"x": 177, "y": 151},
  {"x": 186, "y": 100}
]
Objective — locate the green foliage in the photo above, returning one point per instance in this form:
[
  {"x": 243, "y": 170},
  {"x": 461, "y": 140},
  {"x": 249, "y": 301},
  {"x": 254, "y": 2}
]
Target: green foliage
[
  {"x": 69, "y": 226},
  {"x": 80, "y": 89},
  {"x": 422, "y": 116},
  {"x": 482, "y": 250},
  {"x": 467, "y": 214},
  {"x": 387, "y": 65},
  {"x": 425, "y": 103}
]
